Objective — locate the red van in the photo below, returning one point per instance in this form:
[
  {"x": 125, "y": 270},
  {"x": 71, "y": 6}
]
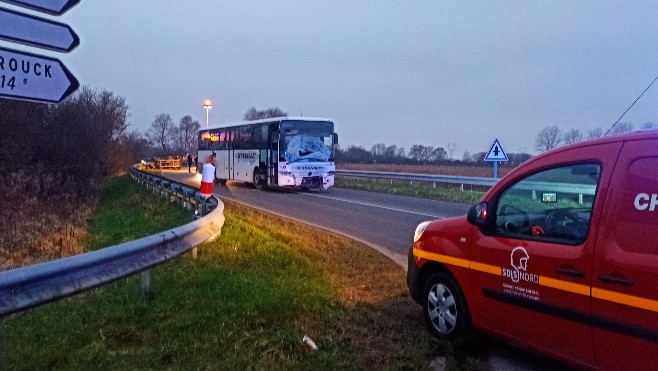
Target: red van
[{"x": 561, "y": 256}]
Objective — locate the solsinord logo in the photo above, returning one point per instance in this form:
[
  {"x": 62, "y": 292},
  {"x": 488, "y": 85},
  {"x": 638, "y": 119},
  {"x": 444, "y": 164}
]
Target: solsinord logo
[{"x": 519, "y": 262}]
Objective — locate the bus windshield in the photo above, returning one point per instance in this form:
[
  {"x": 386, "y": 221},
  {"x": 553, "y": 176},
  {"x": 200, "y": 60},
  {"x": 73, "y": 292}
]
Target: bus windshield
[{"x": 307, "y": 141}]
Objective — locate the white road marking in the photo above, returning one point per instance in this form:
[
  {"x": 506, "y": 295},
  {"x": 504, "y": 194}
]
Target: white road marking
[{"x": 372, "y": 205}]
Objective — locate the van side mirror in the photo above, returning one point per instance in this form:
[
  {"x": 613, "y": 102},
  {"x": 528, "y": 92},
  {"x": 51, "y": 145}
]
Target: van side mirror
[
  {"x": 478, "y": 215},
  {"x": 335, "y": 138}
]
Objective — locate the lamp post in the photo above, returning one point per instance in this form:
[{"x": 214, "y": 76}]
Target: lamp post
[{"x": 207, "y": 104}]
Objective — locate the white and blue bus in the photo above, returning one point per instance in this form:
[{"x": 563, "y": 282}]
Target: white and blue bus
[{"x": 287, "y": 152}]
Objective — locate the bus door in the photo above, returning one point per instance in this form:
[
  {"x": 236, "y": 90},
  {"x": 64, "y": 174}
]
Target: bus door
[
  {"x": 230, "y": 153},
  {"x": 222, "y": 156},
  {"x": 273, "y": 158}
]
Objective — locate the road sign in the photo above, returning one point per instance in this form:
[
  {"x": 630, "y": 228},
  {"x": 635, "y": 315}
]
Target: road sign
[
  {"x": 35, "y": 31},
  {"x": 54, "y": 7},
  {"x": 496, "y": 153},
  {"x": 33, "y": 77}
]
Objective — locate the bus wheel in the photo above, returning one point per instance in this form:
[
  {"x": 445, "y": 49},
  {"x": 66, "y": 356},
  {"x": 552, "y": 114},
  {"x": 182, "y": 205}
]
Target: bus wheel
[{"x": 259, "y": 179}]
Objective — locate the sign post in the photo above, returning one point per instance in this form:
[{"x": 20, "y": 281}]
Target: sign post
[{"x": 496, "y": 154}]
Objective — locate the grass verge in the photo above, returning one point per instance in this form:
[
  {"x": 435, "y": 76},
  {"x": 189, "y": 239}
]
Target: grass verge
[
  {"x": 245, "y": 303},
  {"x": 127, "y": 212},
  {"x": 442, "y": 192}
]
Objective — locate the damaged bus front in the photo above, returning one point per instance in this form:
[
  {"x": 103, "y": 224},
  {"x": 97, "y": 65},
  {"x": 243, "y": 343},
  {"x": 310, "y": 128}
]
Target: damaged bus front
[{"x": 306, "y": 148}]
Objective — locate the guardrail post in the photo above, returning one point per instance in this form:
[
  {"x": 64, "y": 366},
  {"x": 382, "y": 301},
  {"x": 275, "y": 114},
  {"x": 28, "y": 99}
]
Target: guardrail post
[
  {"x": 197, "y": 205},
  {"x": 146, "y": 282},
  {"x": 194, "y": 253}
]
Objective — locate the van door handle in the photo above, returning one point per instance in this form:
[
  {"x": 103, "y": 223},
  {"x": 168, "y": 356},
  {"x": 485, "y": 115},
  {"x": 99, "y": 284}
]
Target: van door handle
[
  {"x": 569, "y": 271},
  {"x": 616, "y": 280}
]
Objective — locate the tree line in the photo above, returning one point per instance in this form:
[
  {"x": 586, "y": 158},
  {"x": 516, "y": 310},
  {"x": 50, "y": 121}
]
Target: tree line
[
  {"x": 552, "y": 137},
  {"x": 418, "y": 154}
]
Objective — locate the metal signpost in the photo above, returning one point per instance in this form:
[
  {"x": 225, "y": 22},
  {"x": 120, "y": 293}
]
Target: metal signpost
[
  {"x": 27, "y": 76},
  {"x": 496, "y": 154}
]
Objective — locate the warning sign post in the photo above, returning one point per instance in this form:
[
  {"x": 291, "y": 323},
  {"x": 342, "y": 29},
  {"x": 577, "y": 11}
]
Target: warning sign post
[{"x": 496, "y": 154}]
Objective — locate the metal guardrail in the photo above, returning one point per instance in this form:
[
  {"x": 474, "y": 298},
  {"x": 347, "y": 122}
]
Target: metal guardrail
[
  {"x": 579, "y": 189},
  {"x": 39, "y": 284},
  {"x": 462, "y": 180}
]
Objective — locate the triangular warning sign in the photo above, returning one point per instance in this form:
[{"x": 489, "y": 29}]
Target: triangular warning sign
[{"x": 496, "y": 153}]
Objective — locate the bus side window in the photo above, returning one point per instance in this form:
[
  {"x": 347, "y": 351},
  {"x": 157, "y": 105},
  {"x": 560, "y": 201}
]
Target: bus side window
[{"x": 263, "y": 137}]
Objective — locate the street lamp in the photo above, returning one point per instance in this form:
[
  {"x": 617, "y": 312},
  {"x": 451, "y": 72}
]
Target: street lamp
[{"x": 207, "y": 104}]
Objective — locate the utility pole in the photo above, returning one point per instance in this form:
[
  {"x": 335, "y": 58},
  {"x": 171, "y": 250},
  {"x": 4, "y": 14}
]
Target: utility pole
[{"x": 451, "y": 149}]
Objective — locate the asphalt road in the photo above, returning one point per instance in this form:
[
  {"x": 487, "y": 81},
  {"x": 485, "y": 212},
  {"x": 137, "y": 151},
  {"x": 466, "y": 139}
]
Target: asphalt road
[{"x": 384, "y": 222}]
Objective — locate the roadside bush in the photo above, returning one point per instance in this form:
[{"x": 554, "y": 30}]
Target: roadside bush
[{"x": 44, "y": 217}]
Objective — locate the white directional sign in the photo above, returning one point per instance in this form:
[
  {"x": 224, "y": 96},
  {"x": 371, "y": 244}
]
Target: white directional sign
[
  {"x": 32, "y": 77},
  {"x": 36, "y": 31},
  {"x": 54, "y": 7},
  {"x": 496, "y": 153}
]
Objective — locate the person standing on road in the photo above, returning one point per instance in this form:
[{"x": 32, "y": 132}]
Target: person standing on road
[
  {"x": 196, "y": 163},
  {"x": 189, "y": 163}
]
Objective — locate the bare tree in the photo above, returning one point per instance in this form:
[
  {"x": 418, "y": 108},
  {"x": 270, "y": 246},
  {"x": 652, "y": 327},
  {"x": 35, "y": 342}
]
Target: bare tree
[
  {"x": 421, "y": 153},
  {"x": 439, "y": 154},
  {"x": 354, "y": 154},
  {"x": 161, "y": 130},
  {"x": 378, "y": 151},
  {"x": 467, "y": 157},
  {"x": 648, "y": 126},
  {"x": 595, "y": 133},
  {"x": 572, "y": 136},
  {"x": 477, "y": 157},
  {"x": 254, "y": 114},
  {"x": 548, "y": 138},
  {"x": 622, "y": 127},
  {"x": 187, "y": 131}
]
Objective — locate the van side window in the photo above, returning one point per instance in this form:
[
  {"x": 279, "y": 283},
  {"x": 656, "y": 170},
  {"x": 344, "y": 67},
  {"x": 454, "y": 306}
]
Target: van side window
[{"x": 553, "y": 205}]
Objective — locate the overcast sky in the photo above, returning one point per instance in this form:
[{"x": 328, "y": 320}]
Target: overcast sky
[{"x": 397, "y": 72}]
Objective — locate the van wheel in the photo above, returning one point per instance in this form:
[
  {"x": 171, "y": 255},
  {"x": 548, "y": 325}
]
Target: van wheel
[
  {"x": 445, "y": 310},
  {"x": 220, "y": 181}
]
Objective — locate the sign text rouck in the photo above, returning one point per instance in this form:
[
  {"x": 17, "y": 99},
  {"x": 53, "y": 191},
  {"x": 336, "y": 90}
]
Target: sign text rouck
[{"x": 32, "y": 77}]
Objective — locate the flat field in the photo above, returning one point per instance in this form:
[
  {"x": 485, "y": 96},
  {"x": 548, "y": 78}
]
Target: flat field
[{"x": 477, "y": 171}]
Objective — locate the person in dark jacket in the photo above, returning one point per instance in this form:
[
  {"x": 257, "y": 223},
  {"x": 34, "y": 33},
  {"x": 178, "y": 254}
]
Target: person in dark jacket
[
  {"x": 196, "y": 163},
  {"x": 189, "y": 163}
]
